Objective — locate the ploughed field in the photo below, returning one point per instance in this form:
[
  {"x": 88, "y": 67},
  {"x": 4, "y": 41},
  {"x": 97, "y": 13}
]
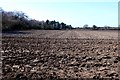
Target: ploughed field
[{"x": 59, "y": 54}]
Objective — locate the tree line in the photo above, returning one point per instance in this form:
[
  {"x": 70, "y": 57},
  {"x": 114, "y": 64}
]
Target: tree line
[
  {"x": 94, "y": 27},
  {"x": 18, "y": 20}
]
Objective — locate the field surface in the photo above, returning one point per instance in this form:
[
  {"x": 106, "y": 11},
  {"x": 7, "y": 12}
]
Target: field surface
[
  {"x": 59, "y": 54},
  {"x": 81, "y": 34}
]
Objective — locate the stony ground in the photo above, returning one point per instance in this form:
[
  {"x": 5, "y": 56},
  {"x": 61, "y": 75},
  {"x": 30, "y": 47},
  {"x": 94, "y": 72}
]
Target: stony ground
[{"x": 71, "y": 54}]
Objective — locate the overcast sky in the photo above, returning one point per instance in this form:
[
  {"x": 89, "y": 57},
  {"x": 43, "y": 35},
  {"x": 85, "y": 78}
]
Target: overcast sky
[{"x": 74, "y": 12}]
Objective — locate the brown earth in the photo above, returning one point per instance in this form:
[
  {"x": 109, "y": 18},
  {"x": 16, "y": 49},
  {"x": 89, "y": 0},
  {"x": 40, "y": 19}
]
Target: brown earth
[{"x": 54, "y": 54}]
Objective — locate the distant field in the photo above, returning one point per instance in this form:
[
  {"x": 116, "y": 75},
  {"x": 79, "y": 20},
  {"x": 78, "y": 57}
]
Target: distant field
[
  {"x": 56, "y": 54},
  {"x": 80, "y": 34}
]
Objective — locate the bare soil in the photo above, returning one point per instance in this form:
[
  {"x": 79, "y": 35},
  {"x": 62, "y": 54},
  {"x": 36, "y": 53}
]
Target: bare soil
[{"x": 54, "y": 54}]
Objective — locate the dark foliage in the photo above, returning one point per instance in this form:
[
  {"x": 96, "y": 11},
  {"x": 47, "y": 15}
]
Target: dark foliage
[{"x": 17, "y": 20}]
